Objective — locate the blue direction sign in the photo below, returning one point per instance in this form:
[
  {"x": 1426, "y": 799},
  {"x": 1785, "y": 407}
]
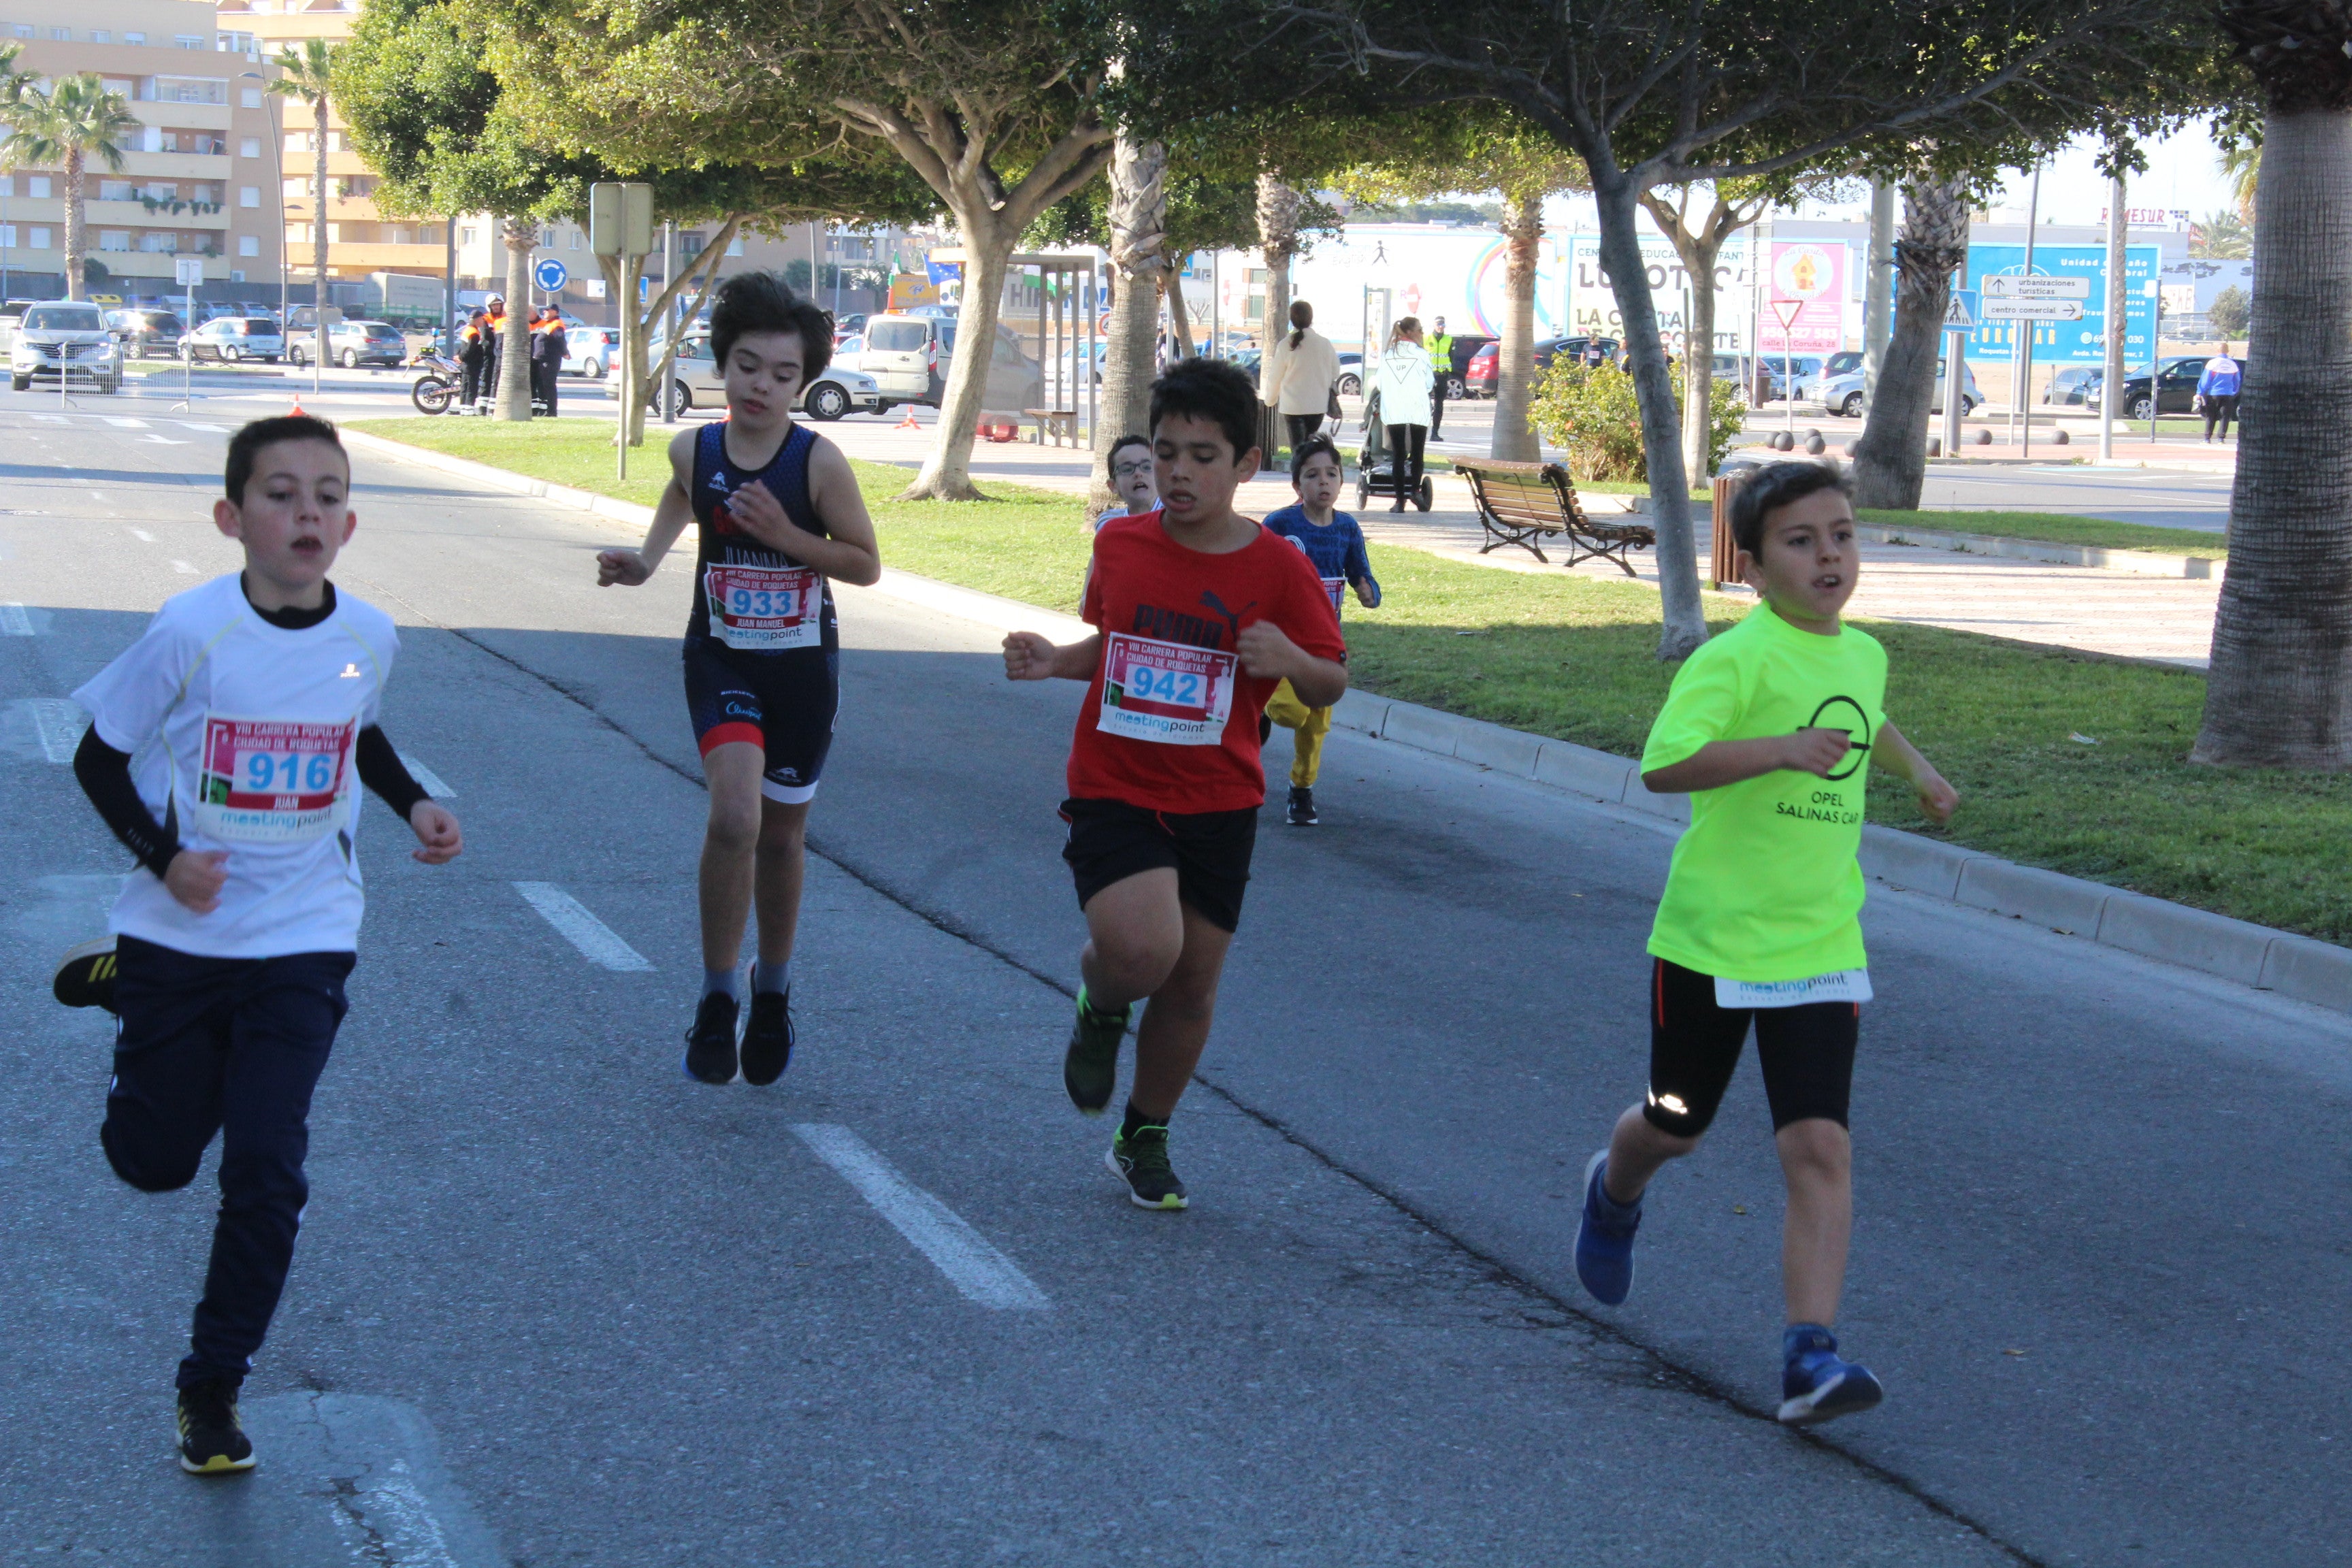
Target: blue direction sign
[{"x": 550, "y": 274}]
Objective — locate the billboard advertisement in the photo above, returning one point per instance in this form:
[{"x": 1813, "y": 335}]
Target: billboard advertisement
[
  {"x": 1809, "y": 293},
  {"x": 1592, "y": 305},
  {"x": 2065, "y": 342},
  {"x": 1428, "y": 271}
]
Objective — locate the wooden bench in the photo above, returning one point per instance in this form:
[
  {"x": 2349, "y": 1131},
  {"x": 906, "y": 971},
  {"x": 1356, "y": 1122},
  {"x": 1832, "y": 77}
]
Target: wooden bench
[
  {"x": 1059, "y": 424},
  {"x": 1518, "y": 503}
]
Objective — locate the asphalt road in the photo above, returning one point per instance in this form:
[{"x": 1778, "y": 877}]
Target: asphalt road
[{"x": 555, "y": 1303}]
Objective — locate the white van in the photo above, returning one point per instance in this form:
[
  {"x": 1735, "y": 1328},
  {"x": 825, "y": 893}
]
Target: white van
[{"x": 909, "y": 357}]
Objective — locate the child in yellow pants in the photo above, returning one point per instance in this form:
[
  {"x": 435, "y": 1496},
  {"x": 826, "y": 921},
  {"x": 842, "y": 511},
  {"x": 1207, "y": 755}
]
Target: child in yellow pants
[{"x": 1333, "y": 540}]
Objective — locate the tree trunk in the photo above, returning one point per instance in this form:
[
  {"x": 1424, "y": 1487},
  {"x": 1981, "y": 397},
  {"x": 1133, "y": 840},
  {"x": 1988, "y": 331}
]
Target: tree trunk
[
  {"x": 77, "y": 230},
  {"x": 1139, "y": 259},
  {"x": 1277, "y": 241},
  {"x": 2280, "y": 691},
  {"x": 1683, "y": 620},
  {"x": 988, "y": 244},
  {"x": 1515, "y": 357},
  {"x": 1698, "y": 353},
  {"x": 514, "y": 351},
  {"x": 319, "y": 228},
  {"x": 1180, "y": 321},
  {"x": 1890, "y": 461}
]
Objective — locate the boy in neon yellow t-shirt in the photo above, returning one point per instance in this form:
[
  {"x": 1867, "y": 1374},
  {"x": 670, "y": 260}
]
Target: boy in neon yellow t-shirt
[{"x": 1770, "y": 729}]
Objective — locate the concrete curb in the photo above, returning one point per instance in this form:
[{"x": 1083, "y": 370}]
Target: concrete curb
[
  {"x": 2142, "y": 563},
  {"x": 2307, "y": 969},
  {"x": 2298, "y": 966}
]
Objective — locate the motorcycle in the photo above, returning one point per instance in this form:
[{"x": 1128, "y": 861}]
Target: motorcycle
[{"x": 436, "y": 389}]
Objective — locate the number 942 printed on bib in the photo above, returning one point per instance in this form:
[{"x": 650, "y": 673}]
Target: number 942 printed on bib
[{"x": 1168, "y": 692}]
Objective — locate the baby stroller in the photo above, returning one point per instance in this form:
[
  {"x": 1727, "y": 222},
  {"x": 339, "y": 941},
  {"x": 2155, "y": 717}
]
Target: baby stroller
[{"x": 1376, "y": 474}]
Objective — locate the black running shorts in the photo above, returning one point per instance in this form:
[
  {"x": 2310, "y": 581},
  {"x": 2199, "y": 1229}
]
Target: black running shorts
[
  {"x": 783, "y": 703},
  {"x": 1807, "y": 1054},
  {"x": 1208, "y": 851}
]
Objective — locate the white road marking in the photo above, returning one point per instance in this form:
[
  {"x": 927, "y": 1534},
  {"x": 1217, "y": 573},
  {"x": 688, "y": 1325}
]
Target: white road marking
[
  {"x": 122, "y": 424},
  {"x": 97, "y": 495},
  {"x": 14, "y": 621},
  {"x": 141, "y": 535},
  {"x": 191, "y": 425},
  {"x": 52, "y": 418},
  {"x": 153, "y": 440},
  {"x": 185, "y": 567},
  {"x": 359, "y": 1479},
  {"x": 427, "y": 778},
  {"x": 972, "y": 1265},
  {"x": 597, "y": 942},
  {"x": 60, "y": 721}
]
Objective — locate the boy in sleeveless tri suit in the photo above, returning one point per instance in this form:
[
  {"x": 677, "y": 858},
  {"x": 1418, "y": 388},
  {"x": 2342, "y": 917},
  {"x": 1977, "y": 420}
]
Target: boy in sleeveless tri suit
[{"x": 778, "y": 516}]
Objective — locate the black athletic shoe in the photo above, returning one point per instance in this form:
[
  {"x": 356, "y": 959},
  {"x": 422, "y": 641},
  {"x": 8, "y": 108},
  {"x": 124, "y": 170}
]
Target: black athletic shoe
[
  {"x": 212, "y": 1441},
  {"x": 1302, "y": 807},
  {"x": 1090, "y": 1067},
  {"x": 86, "y": 975},
  {"x": 768, "y": 1037},
  {"x": 710, "y": 1043},
  {"x": 1141, "y": 1162}
]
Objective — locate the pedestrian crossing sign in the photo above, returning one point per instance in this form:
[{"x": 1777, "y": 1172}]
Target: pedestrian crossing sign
[{"x": 1957, "y": 317}]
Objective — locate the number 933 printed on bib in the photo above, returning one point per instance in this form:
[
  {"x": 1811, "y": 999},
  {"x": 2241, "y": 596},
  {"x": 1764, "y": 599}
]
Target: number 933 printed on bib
[{"x": 763, "y": 609}]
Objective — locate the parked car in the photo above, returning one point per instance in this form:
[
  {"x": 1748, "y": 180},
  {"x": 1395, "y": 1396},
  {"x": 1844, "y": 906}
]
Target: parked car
[
  {"x": 1352, "y": 374},
  {"x": 233, "y": 338},
  {"x": 832, "y": 394},
  {"x": 353, "y": 345},
  {"x": 2073, "y": 383},
  {"x": 140, "y": 330},
  {"x": 1777, "y": 372},
  {"x": 1841, "y": 396},
  {"x": 1479, "y": 375},
  {"x": 2176, "y": 388},
  {"x": 1846, "y": 362},
  {"x": 1465, "y": 347},
  {"x": 909, "y": 355},
  {"x": 590, "y": 351},
  {"x": 59, "y": 333}
]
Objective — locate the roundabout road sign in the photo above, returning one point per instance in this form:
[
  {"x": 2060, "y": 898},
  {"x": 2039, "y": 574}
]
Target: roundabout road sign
[{"x": 550, "y": 274}]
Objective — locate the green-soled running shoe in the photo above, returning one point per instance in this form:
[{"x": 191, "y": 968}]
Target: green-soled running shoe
[
  {"x": 1090, "y": 1067},
  {"x": 1141, "y": 1162}
]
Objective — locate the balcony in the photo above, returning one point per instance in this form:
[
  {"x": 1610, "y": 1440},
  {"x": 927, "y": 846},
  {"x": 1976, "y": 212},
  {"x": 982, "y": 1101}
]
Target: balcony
[
  {"x": 171, "y": 111},
  {"x": 173, "y": 167},
  {"x": 351, "y": 260},
  {"x": 135, "y": 215}
]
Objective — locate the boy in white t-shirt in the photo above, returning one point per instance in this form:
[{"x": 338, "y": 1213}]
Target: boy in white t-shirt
[{"x": 249, "y": 705}]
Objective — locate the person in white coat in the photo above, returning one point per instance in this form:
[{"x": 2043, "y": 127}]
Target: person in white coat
[
  {"x": 1301, "y": 370},
  {"x": 1403, "y": 380}
]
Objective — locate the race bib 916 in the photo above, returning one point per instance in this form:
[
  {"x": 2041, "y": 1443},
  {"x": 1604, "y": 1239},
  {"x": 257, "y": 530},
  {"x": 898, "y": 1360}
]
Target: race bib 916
[
  {"x": 764, "y": 609},
  {"x": 272, "y": 781},
  {"x": 1169, "y": 692},
  {"x": 1844, "y": 985}
]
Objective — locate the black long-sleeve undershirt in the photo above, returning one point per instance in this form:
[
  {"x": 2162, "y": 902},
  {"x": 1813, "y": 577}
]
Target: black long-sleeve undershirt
[{"x": 104, "y": 774}]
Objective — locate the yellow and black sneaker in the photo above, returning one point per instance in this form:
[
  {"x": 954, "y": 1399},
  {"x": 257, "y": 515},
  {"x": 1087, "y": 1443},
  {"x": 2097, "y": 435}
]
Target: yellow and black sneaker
[
  {"x": 86, "y": 975},
  {"x": 212, "y": 1441},
  {"x": 1140, "y": 1159}
]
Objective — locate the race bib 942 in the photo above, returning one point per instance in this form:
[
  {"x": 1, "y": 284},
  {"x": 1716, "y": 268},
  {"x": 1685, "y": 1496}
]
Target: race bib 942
[
  {"x": 763, "y": 609},
  {"x": 272, "y": 781},
  {"x": 1169, "y": 692}
]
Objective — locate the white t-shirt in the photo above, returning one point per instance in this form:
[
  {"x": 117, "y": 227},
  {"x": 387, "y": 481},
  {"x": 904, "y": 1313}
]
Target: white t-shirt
[{"x": 243, "y": 737}]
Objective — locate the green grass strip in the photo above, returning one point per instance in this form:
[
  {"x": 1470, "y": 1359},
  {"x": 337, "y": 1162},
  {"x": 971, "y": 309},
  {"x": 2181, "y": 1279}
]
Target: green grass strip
[
  {"x": 2059, "y": 528},
  {"x": 1574, "y": 658}
]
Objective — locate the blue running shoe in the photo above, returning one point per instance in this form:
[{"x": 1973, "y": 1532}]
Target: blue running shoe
[
  {"x": 1605, "y": 1240},
  {"x": 1815, "y": 1385}
]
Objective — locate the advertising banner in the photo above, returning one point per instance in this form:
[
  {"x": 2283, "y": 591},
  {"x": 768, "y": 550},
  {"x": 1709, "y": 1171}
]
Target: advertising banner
[
  {"x": 1592, "y": 305},
  {"x": 1428, "y": 270},
  {"x": 1809, "y": 273},
  {"x": 2065, "y": 342}
]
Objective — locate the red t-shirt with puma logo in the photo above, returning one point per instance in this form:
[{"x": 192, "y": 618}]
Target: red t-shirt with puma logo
[{"x": 1171, "y": 720}]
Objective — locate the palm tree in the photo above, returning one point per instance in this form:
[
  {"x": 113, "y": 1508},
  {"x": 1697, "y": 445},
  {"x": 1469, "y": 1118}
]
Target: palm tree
[
  {"x": 306, "y": 74},
  {"x": 2242, "y": 162},
  {"x": 61, "y": 128},
  {"x": 2280, "y": 691}
]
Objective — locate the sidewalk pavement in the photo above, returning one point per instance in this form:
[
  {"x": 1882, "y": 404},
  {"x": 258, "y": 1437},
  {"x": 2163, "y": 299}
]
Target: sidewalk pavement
[{"x": 2096, "y": 610}]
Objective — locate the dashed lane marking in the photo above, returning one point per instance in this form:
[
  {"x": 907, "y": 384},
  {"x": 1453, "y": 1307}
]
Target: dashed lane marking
[
  {"x": 597, "y": 942},
  {"x": 151, "y": 439},
  {"x": 97, "y": 495},
  {"x": 52, "y": 725},
  {"x": 191, "y": 425},
  {"x": 141, "y": 535},
  {"x": 971, "y": 1264},
  {"x": 52, "y": 419},
  {"x": 123, "y": 423},
  {"x": 183, "y": 567},
  {"x": 14, "y": 621},
  {"x": 429, "y": 781}
]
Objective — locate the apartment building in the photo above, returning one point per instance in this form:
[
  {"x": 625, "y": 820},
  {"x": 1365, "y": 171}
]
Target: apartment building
[{"x": 196, "y": 178}]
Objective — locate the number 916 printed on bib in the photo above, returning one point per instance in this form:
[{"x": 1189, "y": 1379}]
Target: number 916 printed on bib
[
  {"x": 272, "y": 781},
  {"x": 1169, "y": 692},
  {"x": 763, "y": 609}
]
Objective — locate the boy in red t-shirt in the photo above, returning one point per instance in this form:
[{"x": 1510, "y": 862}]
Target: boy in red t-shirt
[{"x": 1200, "y": 613}]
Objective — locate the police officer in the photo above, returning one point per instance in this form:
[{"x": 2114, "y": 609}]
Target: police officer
[{"x": 1441, "y": 371}]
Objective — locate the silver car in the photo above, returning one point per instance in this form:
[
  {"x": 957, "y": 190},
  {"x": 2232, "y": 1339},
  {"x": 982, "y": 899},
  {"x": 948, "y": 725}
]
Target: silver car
[
  {"x": 67, "y": 338},
  {"x": 832, "y": 394},
  {"x": 1843, "y": 395},
  {"x": 233, "y": 338}
]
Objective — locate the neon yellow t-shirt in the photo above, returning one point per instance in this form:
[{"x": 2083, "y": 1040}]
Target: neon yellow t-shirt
[{"x": 1765, "y": 884}]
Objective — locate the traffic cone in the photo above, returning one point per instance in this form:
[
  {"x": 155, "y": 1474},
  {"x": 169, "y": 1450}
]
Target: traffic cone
[
  {"x": 909, "y": 422},
  {"x": 298, "y": 403}
]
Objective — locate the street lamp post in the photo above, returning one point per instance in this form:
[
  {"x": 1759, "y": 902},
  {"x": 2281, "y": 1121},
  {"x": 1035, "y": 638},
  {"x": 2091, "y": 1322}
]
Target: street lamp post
[{"x": 278, "y": 172}]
